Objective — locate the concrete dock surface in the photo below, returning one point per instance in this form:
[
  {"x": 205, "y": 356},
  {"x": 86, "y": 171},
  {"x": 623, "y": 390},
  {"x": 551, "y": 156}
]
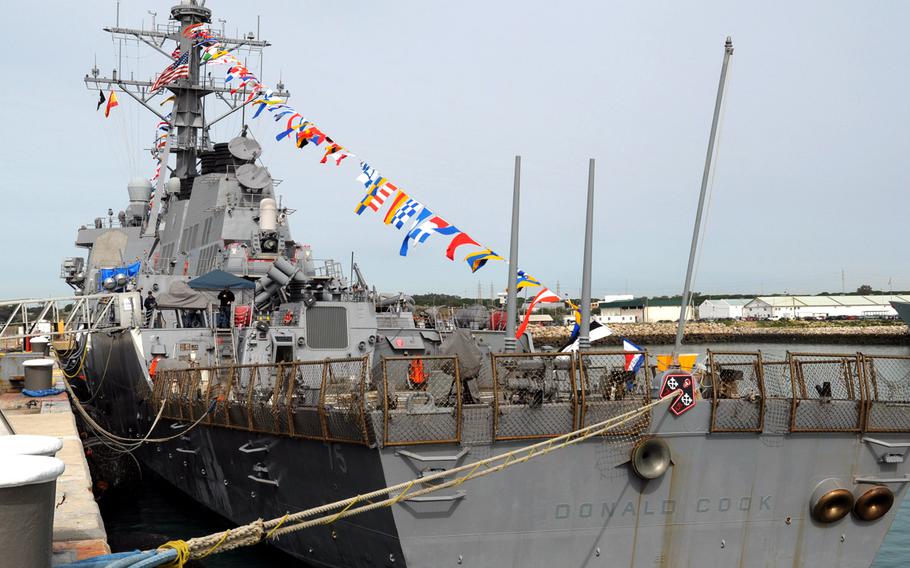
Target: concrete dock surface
[{"x": 78, "y": 528}]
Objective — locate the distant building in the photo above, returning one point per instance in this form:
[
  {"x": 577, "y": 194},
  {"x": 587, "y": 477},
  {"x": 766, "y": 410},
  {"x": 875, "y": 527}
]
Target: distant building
[
  {"x": 642, "y": 310},
  {"x": 569, "y": 319},
  {"x": 540, "y": 319},
  {"x": 794, "y": 307},
  {"x": 724, "y": 308}
]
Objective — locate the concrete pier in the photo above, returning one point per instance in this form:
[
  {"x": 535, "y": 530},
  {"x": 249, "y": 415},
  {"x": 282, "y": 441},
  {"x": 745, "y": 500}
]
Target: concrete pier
[{"x": 78, "y": 529}]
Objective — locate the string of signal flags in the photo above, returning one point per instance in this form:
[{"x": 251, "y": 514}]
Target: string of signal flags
[{"x": 401, "y": 208}]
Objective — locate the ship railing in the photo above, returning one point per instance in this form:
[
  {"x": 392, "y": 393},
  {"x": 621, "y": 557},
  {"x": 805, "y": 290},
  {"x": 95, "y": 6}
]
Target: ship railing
[
  {"x": 517, "y": 396},
  {"x": 328, "y": 269},
  {"x": 777, "y": 386},
  {"x": 535, "y": 395},
  {"x": 888, "y": 387},
  {"x": 324, "y": 400},
  {"x": 736, "y": 391},
  {"x": 614, "y": 383},
  {"x": 808, "y": 392},
  {"x": 829, "y": 392},
  {"x": 421, "y": 400},
  {"x": 58, "y": 318}
]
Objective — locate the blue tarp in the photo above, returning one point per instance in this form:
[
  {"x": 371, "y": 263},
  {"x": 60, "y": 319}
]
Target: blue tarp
[
  {"x": 218, "y": 280},
  {"x": 130, "y": 271},
  {"x": 42, "y": 392}
]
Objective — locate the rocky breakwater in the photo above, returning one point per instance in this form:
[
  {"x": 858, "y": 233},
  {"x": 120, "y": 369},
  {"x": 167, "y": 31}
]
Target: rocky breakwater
[{"x": 852, "y": 332}]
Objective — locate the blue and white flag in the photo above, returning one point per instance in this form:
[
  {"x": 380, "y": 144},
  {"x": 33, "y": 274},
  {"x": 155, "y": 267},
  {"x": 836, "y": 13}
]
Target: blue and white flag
[
  {"x": 405, "y": 212},
  {"x": 370, "y": 178},
  {"x": 415, "y": 232},
  {"x": 634, "y": 361}
]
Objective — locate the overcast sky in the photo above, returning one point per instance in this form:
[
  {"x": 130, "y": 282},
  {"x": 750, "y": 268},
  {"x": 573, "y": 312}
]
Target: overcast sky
[{"x": 812, "y": 175}]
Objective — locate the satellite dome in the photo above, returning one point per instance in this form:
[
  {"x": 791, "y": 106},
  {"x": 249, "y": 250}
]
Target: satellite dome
[
  {"x": 140, "y": 189},
  {"x": 173, "y": 185}
]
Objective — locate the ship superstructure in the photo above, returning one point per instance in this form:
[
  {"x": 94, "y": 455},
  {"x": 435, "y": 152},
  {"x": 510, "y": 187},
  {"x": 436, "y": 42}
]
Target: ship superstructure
[{"x": 312, "y": 388}]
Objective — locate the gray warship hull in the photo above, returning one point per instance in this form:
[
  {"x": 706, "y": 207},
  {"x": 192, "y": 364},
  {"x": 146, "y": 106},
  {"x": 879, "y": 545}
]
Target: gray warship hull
[
  {"x": 903, "y": 311},
  {"x": 728, "y": 499}
]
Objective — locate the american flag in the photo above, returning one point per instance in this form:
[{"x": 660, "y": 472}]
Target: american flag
[{"x": 180, "y": 68}]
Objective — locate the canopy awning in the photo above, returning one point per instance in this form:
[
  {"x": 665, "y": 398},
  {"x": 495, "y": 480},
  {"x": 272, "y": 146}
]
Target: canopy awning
[
  {"x": 179, "y": 295},
  {"x": 218, "y": 280}
]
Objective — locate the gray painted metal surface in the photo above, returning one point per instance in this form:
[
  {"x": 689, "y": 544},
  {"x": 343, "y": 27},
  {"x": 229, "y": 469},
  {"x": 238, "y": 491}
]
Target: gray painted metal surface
[
  {"x": 584, "y": 331},
  {"x": 512, "y": 283},
  {"x": 903, "y": 310}
]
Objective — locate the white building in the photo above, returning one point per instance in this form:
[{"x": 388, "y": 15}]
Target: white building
[
  {"x": 724, "y": 308},
  {"x": 642, "y": 310},
  {"x": 569, "y": 319},
  {"x": 849, "y": 306},
  {"x": 540, "y": 319}
]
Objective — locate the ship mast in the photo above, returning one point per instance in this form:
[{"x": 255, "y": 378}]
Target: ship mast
[
  {"x": 706, "y": 176},
  {"x": 189, "y": 133}
]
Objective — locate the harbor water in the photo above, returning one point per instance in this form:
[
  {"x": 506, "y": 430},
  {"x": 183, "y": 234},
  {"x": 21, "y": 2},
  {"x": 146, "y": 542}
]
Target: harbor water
[{"x": 154, "y": 512}]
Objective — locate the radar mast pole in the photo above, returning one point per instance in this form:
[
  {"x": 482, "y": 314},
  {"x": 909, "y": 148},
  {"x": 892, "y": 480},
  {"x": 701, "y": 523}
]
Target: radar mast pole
[{"x": 188, "y": 108}]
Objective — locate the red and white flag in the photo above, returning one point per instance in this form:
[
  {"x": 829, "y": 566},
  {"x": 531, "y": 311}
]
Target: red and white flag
[{"x": 545, "y": 295}]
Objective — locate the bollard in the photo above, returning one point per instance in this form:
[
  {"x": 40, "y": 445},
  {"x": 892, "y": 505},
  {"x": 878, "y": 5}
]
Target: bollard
[
  {"x": 41, "y": 346},
  {"x": 27, "y": 489},
  {"x": 39, "y": 374},
  {"x": 29, "y": 445}
]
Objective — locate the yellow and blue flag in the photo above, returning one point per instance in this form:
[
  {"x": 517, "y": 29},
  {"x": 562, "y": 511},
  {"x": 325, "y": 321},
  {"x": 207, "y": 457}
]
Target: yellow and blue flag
[
  {"x": 478, "y": 259},
  {"x": 525, "y": 280}
]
